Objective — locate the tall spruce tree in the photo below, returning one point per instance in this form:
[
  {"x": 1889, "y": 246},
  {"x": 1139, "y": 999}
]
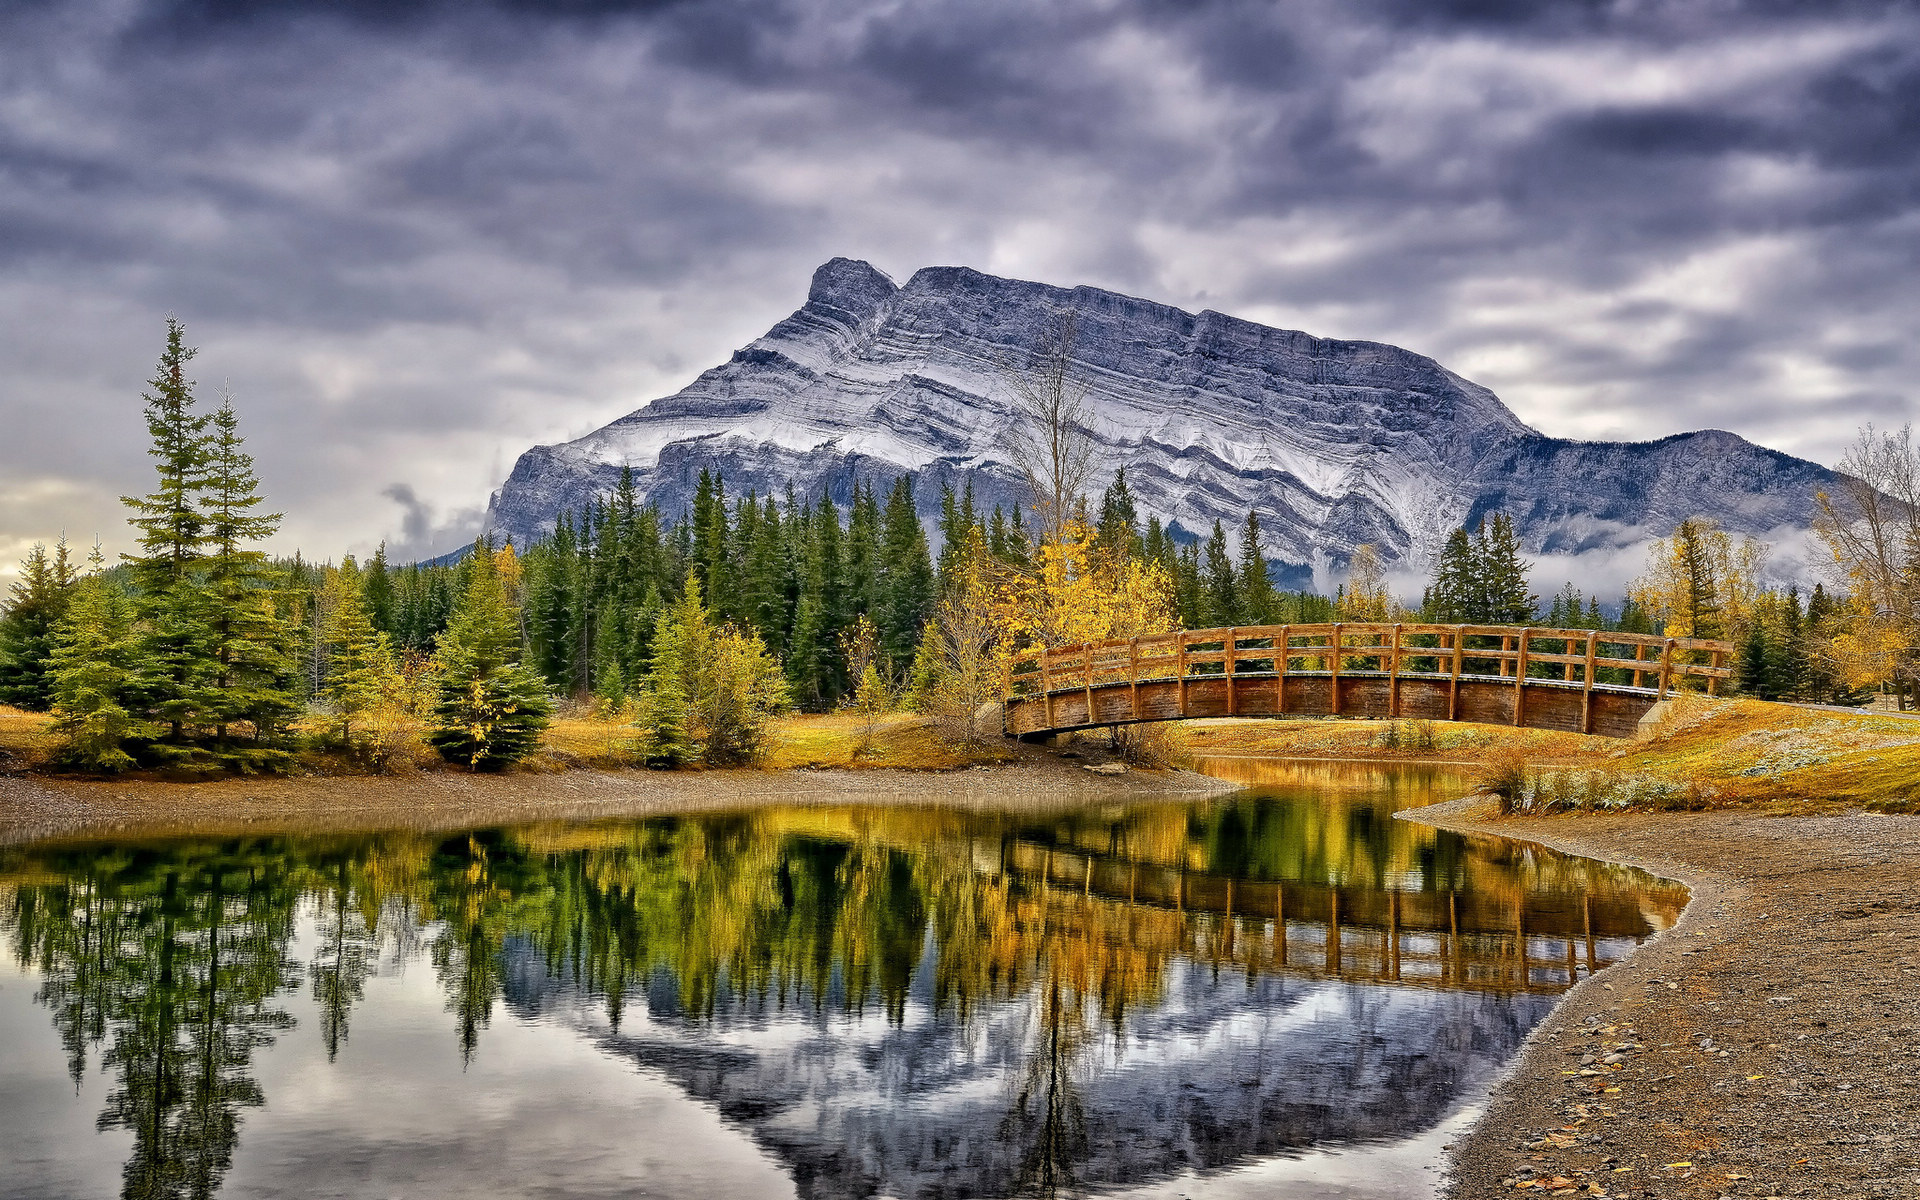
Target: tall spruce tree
[
  {"x": 1509, "y": 601},
  {"x": 906, "y": 583},
  {"x": 377, "y": 585},
  {"x": 253, "y": 676},
  {"x": 176, "y": 655},
  {"x": 1223, "y": 601},
  {"x": 1452, "y": 596},
  {"x": 1258, "y": 604},
  {"x": 1119, "y": 527},
  {"x": 36, "y": 603}
]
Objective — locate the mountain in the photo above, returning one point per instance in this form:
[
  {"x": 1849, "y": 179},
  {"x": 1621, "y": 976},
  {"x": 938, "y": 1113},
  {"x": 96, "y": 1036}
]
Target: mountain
[{"x": 1333, "y": 443}]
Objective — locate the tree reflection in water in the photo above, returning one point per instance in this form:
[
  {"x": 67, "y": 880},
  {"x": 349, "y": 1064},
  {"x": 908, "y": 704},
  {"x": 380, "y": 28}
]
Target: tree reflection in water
[{"x": 171, "y": 958}]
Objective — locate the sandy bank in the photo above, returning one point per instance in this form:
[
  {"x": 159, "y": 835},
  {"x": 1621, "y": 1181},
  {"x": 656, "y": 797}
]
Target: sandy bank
[{"x": 33, "y": 808}]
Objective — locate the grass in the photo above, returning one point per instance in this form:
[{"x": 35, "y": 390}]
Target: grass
[
  {"x": 903, "y": 741},
  {"x": 1707, "y": 754}
]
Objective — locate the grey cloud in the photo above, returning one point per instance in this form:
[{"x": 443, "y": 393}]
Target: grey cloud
[{"x": 422, "y": 236}]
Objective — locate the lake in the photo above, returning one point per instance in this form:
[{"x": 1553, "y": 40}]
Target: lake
[{"x": 1282, "y": 992}]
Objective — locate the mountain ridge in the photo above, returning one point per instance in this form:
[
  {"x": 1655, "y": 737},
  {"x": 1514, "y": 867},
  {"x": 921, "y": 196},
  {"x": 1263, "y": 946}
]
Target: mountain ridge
[{"x": 1333, "y": 442}]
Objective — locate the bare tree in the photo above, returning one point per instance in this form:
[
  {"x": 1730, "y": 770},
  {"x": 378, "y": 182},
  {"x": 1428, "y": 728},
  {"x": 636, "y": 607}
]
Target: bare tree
[
  {"x": 1049, "y": 440},
  {"x": 1871, "y": 523}
]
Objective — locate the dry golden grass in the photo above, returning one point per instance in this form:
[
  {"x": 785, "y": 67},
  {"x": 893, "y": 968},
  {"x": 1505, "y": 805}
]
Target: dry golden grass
[
  {"x": 900, "y": 740},
  {"x": 26, "y": 739},
  {"x": 1749, "y": 752},
  {"x": 1726, "y": 753},
  {"x": 1376, "y": 739}
]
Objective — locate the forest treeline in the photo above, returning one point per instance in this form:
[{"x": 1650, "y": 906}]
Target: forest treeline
[{"x": 689, "y": 631}]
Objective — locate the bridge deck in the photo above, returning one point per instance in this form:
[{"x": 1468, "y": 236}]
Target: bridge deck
[{"x": 1576, "y": 680}]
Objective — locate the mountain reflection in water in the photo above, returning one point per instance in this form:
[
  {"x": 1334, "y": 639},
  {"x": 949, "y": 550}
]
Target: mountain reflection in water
[{"x": 900, "y": 1001}]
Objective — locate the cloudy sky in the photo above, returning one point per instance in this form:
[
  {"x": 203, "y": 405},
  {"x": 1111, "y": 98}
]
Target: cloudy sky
[{"x": 414, "y": 237}]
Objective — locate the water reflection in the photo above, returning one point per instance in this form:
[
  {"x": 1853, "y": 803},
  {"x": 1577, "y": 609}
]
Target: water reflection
[{"x": 901, "y": 1001}]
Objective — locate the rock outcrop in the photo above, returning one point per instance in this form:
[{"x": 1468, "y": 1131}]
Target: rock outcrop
[{"x": 1333, "y": 443}]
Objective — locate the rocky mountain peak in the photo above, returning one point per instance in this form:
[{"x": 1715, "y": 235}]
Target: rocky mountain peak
[{"x": 1334, "y": 443}]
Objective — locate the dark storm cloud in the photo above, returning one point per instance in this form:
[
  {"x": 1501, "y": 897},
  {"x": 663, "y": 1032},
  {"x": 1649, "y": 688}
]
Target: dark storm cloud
[{"x": 418, "y": 236}]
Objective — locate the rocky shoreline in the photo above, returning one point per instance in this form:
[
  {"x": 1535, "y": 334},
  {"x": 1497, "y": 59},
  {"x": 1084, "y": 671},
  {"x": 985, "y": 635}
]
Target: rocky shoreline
[{"x": 1764, "y": 1047}]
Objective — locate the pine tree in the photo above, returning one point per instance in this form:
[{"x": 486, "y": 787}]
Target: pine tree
[
  {"x": 906, "y": 582},
  {"x": 683, "y": 639},
  {"x": 37, "y": 602},
  {"x": 1702, "y": 591},
  {"x": 377, "y": 582},
  {"x": 1223, "y": 602},
  {"x": 1119, "y": 528},
  {"x": 1451, "y": 597},
  {"x": 252, "y": 676},
  {"x": 359, "y": 657},
  {"x": 176, "y": 658},
  {"x": 491, "y": 710},
  {"x": 1257, "y": 601},
  {"x": 862, "y": 575},
  {"x": 1752, "y": 673},
  {"x": 92, "y": 669},
  {"x": 1509, "y": 601}
]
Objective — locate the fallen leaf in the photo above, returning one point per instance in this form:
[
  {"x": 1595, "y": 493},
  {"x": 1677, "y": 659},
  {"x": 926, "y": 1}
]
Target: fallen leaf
[{"x": 1678, "y": 1165}]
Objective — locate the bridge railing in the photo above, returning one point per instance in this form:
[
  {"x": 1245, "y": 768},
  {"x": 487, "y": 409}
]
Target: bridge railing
[{"x": 1633, "y": 662}]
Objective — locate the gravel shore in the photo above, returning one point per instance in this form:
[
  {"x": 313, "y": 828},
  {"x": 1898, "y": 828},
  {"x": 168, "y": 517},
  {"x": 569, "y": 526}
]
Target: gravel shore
[{"x": 1767, "y": 1046}]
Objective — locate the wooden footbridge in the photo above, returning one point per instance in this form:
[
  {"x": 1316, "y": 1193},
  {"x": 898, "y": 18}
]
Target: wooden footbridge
[{"x": 1574, "y": 680}]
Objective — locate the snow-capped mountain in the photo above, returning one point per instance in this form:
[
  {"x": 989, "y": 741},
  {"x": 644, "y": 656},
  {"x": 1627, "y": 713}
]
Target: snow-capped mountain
[{"x": 1333, "y": 443}]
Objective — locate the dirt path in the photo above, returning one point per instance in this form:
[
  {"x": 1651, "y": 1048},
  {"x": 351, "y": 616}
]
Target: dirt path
[
  {"x": 1768, "y": 1046},
  {"x": 31, "y": 809}
]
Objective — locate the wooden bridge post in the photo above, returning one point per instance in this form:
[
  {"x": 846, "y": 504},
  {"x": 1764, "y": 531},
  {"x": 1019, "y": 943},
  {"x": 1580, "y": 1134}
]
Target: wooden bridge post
[
  {"x": 1280, "y": 651},
  {"x": 1586, "y": 692},
  {"x": 1666, "y": 667},
  {"x": 1393, "y": 676},
  {"x": 1133, "y": 673},
  {"x": 1088, "y": 651},
  {"x": 1520, "y": 680},
  {"x": 1639, "y": 656},
  {"x": 1046, "y": 682},
  {"x": 1180, "y": 671},
  {"x": 1459, "y": 660},
  {"x": 1226, "y": 665},
  {"x": 1713, "y": 681},
  {"x": 1333, "y": 682}
]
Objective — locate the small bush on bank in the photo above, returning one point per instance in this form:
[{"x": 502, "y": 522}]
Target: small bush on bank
[{"x": 1520, "y": 789}]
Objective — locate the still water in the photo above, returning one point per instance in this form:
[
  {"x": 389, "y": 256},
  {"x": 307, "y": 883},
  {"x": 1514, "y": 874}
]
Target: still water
[{"x": 1285, "y": 992}]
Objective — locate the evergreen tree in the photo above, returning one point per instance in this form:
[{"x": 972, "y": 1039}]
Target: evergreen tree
[
  {"x": 176, "y": 655},
  {"x": 37, "y": 602},
  {"x": 359, "y": 658},
  {"x": 1223, "y": 601},
  {"x": 252, "y": 675},
  {"x": 1119, "y": 527},
  {"x": 683, "y": 640},
  {"x": 1790, "y": 664},
  {"x": 1702, "y": 598},
  {"x": 1753, "y": 670},
  {"x": 491, "y": 710},
  {"x": 1453, "y": 595},
  {"x": 92, "y": 668},
  {"x": 862, "y": 575},
  {"x": 1509, "y": 601},
  {"x": 812, "y": 664},
  {"x": 1257, "y": 601},
  {"x": 906, "y": 583},
  {"x": 378, "y": 583}
]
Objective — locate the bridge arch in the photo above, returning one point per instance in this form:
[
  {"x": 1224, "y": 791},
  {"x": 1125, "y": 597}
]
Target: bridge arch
[{"x": 1574, "y": 680}]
